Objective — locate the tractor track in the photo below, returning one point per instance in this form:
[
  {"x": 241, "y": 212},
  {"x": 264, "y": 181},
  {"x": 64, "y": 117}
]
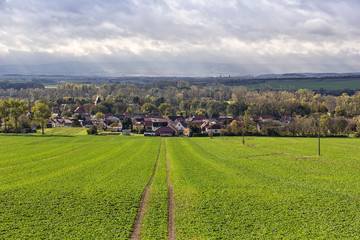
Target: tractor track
[{"x": 136, "y": 232}]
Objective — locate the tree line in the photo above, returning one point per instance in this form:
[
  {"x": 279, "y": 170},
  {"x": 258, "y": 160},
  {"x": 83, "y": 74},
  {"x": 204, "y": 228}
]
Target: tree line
[
  {"x": 182, "y": 98},
  {"x": 186, "y": 99},
  {"x": 13, "y": 113}
]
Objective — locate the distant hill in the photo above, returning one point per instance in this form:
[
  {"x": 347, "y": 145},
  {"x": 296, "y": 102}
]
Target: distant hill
[
  {"x": 181, "y": 69},
  {"x": 306, "y": 75}
]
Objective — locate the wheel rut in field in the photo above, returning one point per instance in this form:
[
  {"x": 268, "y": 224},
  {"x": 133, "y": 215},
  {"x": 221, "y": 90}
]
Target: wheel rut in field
[
  {"x": 171, "y": 203},
  {"x": 136, "y": 232}
]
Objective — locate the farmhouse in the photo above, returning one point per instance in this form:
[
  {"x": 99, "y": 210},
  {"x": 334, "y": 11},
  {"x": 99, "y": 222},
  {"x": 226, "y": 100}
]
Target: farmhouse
[
  {"x": 67, "y": 123},
  {"x": 158, "y": 124},
  {"x": 79, "y": 110},
  {"x": 165, "y": 132},
  {"x": 211, "y": 128},
  {"x": 148, "y": 125},
  {"x": 180, "y": 126}
]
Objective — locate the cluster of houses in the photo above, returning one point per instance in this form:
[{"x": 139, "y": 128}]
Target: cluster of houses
[
  {"x": 150, "y": 124},
  {"x": 157, "y": 125}
]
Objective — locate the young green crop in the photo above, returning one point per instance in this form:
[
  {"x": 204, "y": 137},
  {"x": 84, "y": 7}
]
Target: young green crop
[
  {"x": 72, "y": 187},
  {"x": 66, "y": 131},
  {"x": 224, "y": 190},
  {"x": 155, "y": 221}
]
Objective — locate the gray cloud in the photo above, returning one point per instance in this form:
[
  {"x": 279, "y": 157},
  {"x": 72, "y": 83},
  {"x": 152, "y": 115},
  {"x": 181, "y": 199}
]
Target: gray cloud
[{"x": 239, "y": 31}]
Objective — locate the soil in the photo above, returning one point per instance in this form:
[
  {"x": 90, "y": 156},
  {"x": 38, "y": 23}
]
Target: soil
[{"x": 136, "y": 233}]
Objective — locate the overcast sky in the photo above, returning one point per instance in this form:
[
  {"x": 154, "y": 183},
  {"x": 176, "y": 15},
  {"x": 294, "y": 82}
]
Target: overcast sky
[{"x": 229, "y": 31}]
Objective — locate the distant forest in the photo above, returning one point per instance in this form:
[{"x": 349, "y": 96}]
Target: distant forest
[
  {"x": 339, "y": 109},
  {"x": 331, "y": 84},
  {"x": 192, "y": 98}
]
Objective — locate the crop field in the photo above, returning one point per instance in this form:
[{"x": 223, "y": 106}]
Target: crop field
[
  {"x": 105, "y": 187},
  {"x": 65, "y": 131},
  {"x": 72, "y": 187},
  {"x": 271, "y": 188},
  {"x": 316, "y": 85}
]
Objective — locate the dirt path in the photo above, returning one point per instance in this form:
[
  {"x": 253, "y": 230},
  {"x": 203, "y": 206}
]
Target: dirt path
[
  {"x": 171, "y": 203},
  {"x": 136, "y": 233}
]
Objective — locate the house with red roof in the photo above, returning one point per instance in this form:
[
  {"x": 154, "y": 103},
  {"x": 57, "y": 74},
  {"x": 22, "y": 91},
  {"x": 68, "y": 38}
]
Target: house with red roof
[{"x": 165, "y": 132}]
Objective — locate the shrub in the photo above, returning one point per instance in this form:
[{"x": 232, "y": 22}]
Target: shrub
[
  {"x": 92, "y": 130},
  {"x": 210, "y": 134}
]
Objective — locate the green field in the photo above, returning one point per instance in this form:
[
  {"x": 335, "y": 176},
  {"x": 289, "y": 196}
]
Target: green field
[
  {"x": 65, "y": 131},
  {"x": 65, "y": 185},
  {"x": 316, "y": 85}
]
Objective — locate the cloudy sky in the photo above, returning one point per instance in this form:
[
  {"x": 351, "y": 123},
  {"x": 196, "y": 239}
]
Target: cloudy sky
[{"x": 304, "y": 33}]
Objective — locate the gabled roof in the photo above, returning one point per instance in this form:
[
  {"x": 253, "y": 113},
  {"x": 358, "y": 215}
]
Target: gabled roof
[
  {"x": 67, "y": 121},
  {"x": 165, "y": 130},
  {"x": 214, "y": 126},
  {"x": 180, "y": 120},
  {"x": 155, "y": 115},
  {"x": 80, "y": 109},
  {"x": 158, "y": 124},
  {"x": 183, "y": 123},
  {"x": 135, "y": 115},
  {"x": 198, "y": 123},
  {"x": 199, "y": 117},
  {"x": 148, "y": 123},
  {"x": 173, "y": 118}
]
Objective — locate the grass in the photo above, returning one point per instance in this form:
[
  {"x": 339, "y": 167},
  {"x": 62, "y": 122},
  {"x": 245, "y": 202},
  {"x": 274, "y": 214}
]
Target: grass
[{"x": 68, "y": 185}]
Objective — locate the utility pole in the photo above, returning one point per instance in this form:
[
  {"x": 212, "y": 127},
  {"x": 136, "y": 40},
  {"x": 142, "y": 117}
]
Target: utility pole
[
  {"x": 243, "y": 137},
  {"x": 316, "y": 117},
  {"x": 319, "y": 136},
  {"x": 244, "y": 126}
]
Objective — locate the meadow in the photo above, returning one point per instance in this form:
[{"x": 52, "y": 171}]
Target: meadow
[{"x": 69, "y": 185}]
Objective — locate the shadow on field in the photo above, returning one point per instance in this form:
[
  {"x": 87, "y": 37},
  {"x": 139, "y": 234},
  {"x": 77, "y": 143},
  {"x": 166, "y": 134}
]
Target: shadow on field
[{"x": 27, "y": 135}]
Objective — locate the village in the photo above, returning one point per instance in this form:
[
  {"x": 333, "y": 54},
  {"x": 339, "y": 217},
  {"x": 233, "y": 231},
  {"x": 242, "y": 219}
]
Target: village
[{"x": 153, "y": 124}]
